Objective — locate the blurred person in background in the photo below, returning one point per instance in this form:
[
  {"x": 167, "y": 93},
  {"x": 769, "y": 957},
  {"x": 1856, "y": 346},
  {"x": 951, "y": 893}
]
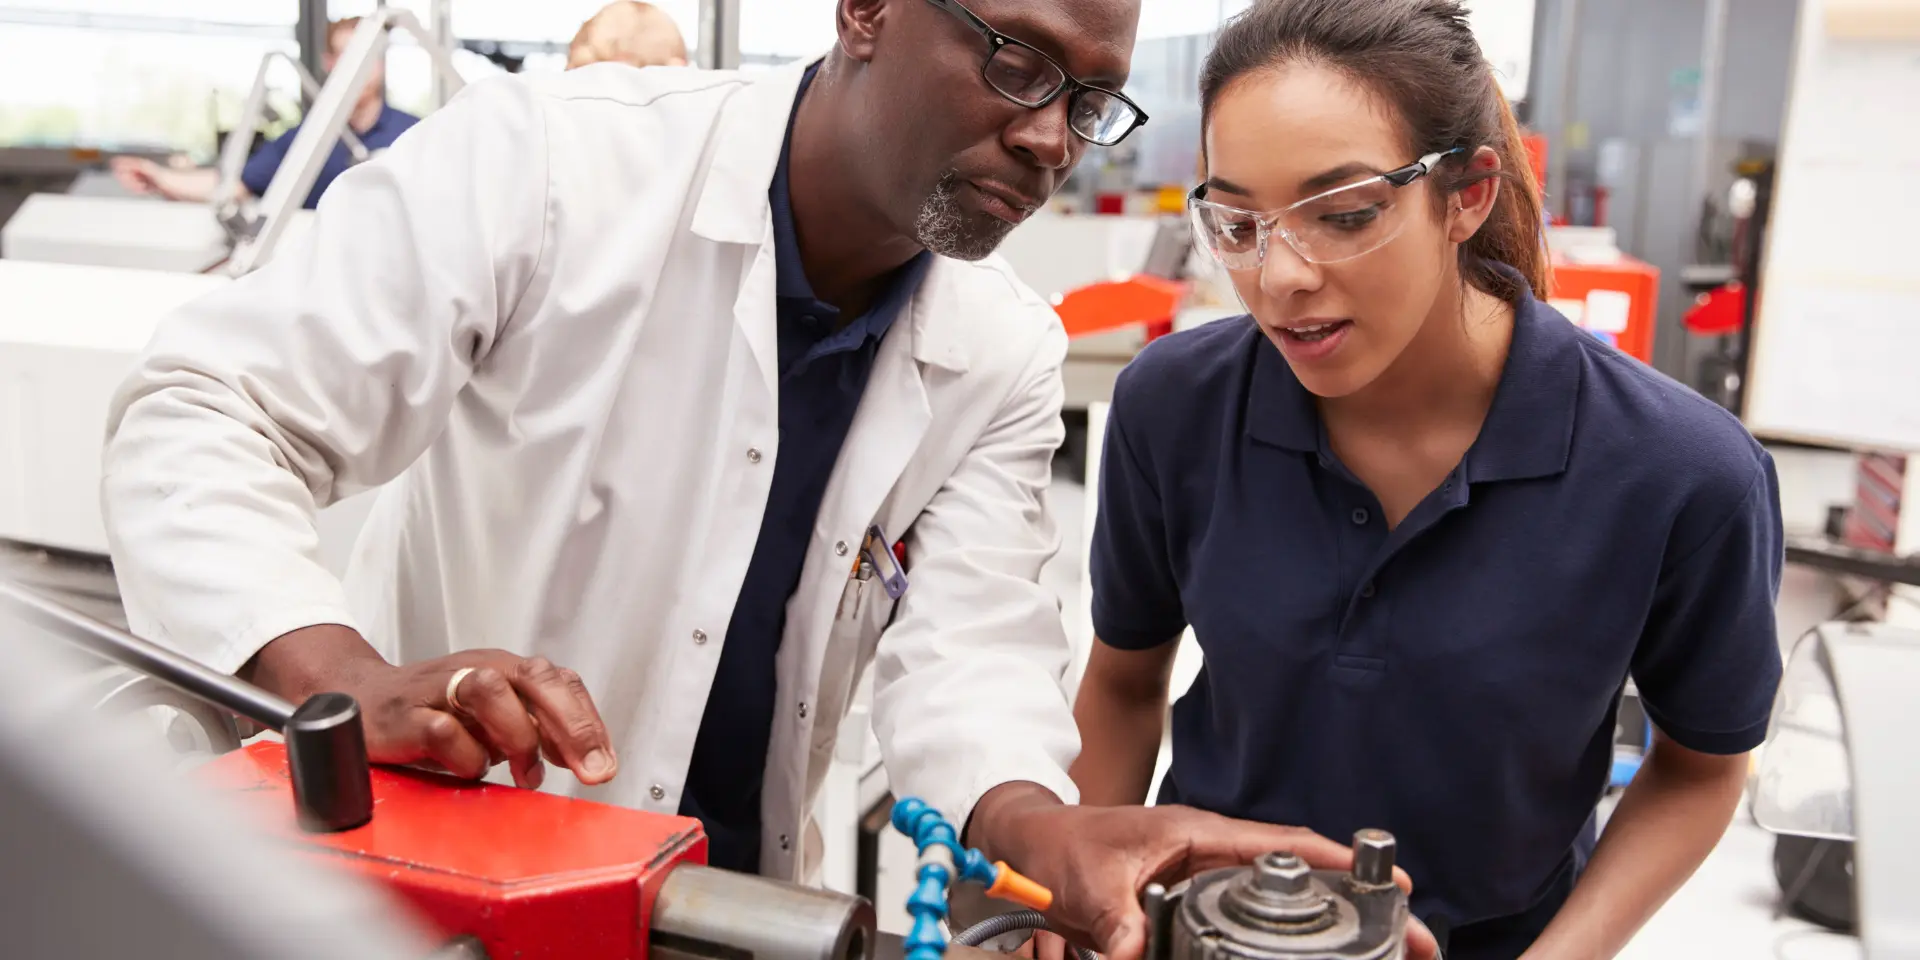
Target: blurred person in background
[
  {"x": 373, "y": 121},
  {"x": 629, "y": 32}
]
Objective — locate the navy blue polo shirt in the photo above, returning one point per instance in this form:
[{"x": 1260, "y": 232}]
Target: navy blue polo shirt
[
  {"x": 1453, "y": 680},
  {"x": 823, "y": 368},
  {"x": 265, "y": 162}
]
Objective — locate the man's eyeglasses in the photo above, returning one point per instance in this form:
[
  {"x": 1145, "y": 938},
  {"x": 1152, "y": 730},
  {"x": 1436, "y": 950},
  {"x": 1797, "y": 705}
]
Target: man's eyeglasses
[
  {"x": 1032, "y": 79},
  {"x": 1340, "y": 224}
]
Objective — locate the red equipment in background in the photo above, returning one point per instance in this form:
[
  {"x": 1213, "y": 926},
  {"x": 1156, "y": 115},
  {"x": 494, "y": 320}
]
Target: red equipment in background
[
  {"x": 1588, "y": 293},
  {"x": 1143, "y": 299},
  {"x": 1718, "y": 312}
]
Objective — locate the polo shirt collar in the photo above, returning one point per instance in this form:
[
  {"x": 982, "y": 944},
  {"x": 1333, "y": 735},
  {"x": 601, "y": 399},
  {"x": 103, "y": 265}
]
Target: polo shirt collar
[
  {"x": 790, "y": 276},
  {"x": 1528, "y": 432}
]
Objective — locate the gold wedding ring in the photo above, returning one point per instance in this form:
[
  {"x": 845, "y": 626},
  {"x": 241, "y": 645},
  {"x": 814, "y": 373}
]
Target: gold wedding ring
[{"x": 453, "y": 689}]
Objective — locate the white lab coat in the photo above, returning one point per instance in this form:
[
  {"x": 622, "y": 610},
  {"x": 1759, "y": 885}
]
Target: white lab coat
[{"x": 545, "y": 321}]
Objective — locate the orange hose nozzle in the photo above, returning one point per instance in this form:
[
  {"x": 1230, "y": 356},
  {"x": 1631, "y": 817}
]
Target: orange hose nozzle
[{"x": 1010, "y": 885}]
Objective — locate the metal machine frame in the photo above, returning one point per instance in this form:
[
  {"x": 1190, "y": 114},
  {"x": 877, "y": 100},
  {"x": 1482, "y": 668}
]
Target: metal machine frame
[
  {"x": 326, "y": 120},
  {"x": 1838, "y": 764},
  {"x": 227, "y": 206}
]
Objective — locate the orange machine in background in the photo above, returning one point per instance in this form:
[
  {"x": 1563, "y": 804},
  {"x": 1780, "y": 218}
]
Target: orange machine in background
[{"x": 1616, "y": 301}]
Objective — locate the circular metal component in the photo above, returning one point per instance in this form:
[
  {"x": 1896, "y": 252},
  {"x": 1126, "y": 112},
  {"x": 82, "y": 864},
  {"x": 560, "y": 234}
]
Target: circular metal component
[
  {"x": 1216, "y": 920},
  {"x": 753, "y": 455},
  {"x": 699, "y": 636},
  {"x": 703, "y": 912},
  {"x": 1279, "y": 892},
  {"x": 1373, "y": 858},
  {"x": 657, "y": 792},
  {"x": 1282, "y": 874},
  {"x": 189, "y": 725},
  {"x": 841, "y": 548}
]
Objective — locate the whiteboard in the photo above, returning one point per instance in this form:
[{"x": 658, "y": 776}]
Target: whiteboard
[{"x": 1836, "y": 348}]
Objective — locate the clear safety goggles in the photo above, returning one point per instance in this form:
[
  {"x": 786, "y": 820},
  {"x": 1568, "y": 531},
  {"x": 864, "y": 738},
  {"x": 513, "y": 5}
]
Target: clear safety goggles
[{"x": 1340, "y": 224}]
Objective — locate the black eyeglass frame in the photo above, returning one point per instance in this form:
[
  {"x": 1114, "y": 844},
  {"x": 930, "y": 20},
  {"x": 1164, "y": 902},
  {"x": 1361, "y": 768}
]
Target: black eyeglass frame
[{"x": 997, "y": 41}]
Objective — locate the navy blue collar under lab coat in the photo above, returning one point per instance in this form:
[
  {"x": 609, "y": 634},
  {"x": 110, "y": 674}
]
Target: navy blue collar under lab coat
[{"x": 823, "y": 371}]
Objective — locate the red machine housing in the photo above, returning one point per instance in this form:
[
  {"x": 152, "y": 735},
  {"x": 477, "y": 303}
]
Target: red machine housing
[{"x": 530, "y": 875}]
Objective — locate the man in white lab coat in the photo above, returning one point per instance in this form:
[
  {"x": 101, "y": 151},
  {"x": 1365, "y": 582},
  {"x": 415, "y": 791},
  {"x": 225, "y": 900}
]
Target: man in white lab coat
[{"x": 656, "y": 368}]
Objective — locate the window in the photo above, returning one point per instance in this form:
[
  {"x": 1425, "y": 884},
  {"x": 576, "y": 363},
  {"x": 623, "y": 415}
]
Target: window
[
  {"x": 775, "y": 31},
  {"x": 123, "y": 74},
  {"x": 1505, "y": 31},
  {"x": 553, "y": 22}
]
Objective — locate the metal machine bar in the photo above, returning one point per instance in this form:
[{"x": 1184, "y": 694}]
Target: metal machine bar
[
  {"x": 325, "y": 122},
  {"x": 719, "y": 34},
  {"x": 233, "y": 155},
  {"x": 440, "y": 38},
  {"x": 326, "y": 744},
  {"x": 1565, "y": 60},
  {"x": 35, "y": 16},
  {"x": 311, "y": 30},
  {"x": 188, "y": 676},
  {"x": 1823, "y": 554}
]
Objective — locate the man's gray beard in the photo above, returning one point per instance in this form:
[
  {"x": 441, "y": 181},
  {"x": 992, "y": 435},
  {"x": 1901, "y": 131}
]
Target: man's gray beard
[{"x": 944, "y": 228}]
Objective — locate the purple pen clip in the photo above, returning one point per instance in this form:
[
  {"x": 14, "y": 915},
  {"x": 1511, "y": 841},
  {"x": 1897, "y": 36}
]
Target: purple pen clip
[{"x": 886, "y": 564}]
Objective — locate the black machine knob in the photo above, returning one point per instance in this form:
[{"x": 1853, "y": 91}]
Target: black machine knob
[{"x": 327, "y": 757}]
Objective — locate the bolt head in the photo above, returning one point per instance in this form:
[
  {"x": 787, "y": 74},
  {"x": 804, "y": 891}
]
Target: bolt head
[
  {"x": 1373, "y": 855},
  {"x": 1282, "y": 873}
]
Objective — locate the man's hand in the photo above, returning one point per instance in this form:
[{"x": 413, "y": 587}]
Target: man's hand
[
  {"x": 1098, "y": 860},
  {"x": 509, "y": 708}
]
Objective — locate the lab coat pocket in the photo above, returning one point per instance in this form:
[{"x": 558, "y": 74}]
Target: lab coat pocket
[{"x": 846, "y": 654}]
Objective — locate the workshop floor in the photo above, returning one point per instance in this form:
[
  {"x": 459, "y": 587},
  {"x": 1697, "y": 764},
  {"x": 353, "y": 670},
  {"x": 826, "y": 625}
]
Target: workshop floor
[{"x": 1727, "y": 909}]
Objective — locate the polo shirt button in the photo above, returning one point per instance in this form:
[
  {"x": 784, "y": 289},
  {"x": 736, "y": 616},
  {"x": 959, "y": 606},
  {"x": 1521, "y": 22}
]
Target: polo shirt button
[
  {"x": 753, "y": 454},
  {"x": 1366, "y": 589},
  {"x": 657, "y": 792},
  {"x": 1360, "y": 516}
]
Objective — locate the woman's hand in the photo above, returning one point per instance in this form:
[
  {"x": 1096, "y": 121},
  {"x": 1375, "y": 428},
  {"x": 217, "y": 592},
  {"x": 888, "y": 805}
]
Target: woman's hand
[{"x": 1098, "y": 860}]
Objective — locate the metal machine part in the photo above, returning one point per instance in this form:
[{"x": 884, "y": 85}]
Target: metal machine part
[
  {"x": 106, "y": 851},
  {"x": 325, "y": 122},
  {"x": 326, "y": 744},
  {"x": 703, "y": 913},
  {"x": 227, "y": 207},
  {"x": 1281, "y": 909}
]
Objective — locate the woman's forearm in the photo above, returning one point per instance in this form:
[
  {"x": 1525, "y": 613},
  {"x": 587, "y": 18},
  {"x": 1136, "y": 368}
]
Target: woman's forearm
[
  {"x": 1672, "y": 815},
  {"x": 1121, "y": 709}
]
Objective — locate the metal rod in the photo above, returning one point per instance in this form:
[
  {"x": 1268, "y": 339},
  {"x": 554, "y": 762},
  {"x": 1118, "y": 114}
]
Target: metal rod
[
  {"x": 1568, "y": 63},
  {"x": 173, "y": 669}
]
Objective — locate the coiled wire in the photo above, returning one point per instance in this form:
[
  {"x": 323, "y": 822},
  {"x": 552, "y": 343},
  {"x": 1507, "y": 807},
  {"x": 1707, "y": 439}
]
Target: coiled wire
[{"x": 1007, "y": 923}]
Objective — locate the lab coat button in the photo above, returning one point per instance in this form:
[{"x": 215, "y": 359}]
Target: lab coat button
[
  {"x": 753, "y": 454},
  {"x": 699, "y": 636},
  {"x": 840, "y": 549},
  {"x": 657, "y": 792}
]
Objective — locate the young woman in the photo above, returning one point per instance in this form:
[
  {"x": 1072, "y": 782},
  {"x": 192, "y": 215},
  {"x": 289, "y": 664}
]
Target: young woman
[{"x": 1423, "y": 527}]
